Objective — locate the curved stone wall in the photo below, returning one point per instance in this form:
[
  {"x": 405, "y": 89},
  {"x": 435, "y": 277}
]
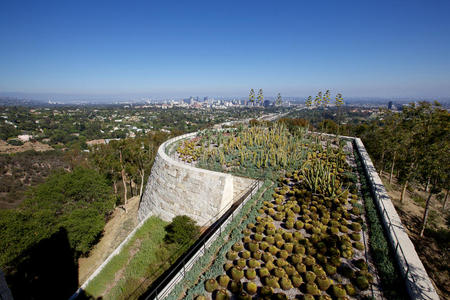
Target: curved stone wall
[{"x": 175, "y": 188}]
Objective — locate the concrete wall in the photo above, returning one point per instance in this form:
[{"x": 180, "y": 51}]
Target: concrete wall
[
  {"x": 175, "y": 188},
  {"x": 417, "y": 280}
]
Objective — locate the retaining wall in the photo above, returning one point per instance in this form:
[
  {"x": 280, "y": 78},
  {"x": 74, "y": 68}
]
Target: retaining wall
[
  {"x": 175, "y": 188},
  {"x": 418, "y": 282}
]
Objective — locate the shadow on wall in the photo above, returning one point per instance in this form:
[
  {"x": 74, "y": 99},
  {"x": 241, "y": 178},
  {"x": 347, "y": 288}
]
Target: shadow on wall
[{"x": 48, "y": 270}]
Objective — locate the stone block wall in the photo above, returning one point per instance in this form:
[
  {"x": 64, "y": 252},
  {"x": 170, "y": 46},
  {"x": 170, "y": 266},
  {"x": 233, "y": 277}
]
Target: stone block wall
[{"x": 175, "y": 188}]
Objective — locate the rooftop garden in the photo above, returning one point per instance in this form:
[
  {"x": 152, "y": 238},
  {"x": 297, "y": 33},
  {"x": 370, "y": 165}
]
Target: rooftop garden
[{"x": 308, "y": 236}]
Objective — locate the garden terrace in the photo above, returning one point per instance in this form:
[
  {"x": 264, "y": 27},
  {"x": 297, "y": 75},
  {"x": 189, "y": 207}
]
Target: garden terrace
[{"x": 306, "y": 237}]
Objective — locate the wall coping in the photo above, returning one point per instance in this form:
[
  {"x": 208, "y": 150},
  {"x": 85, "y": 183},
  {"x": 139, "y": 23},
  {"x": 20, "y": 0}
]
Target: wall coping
[{"x": 164, "y": 156}]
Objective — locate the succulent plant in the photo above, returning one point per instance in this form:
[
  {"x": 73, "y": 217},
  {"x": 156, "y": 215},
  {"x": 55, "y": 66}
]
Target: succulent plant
[
  {"x": 309, "y": 260},
  {"x": 235, "y": 287},
  {"x": 290, "y": 270},
  {"x": 245, "y": 254},
  {"x": 253, "y": 263},
  {"x": 346, "y": 271},
  {"x": 312, "y": 289},
  {"x": 273, "y": 250},
  {"x": 200, "y": 297},
  {"x": 355, "y": 236},
  {"x": 297, "y": 280},
  {"x": 335, "y": 261},
  {"x": 330, "y": 269},
  {"x": 251, "y": 288},
  {"x": 308, "y": 297},
  {"x": 283, "y": 254},
  {"x": 323, "y": 282},
  {"x": 296, "y": 258},
  {"x": 211, "y": 285},
  {"x": 280, "y": 262},
  {"x": 299, "y": 225},
  {"x": 263, "y": 272},
  {"x": 300, "y": 267},
  {"x": 223, "y": 280},
  {"x": 266, "y": 291},
  {"x": 244, "y": 296},
  {"x": 339, "y": 291},
  {"x": 351, "y": 291},
  {"x": 246, "y": 232},
  {"x": 241, "y": 262},
  {"x": 258, "y": 237},
  {"x": 269, "y": 239},
  {"x": 227, "y": 266},
  {"x": 252, "y": 246},
  {"x": 358, "y": 245},
  {"x": 237, "y": 273},
  {"x": 310, "y": 276},
  {"x": 272, "y": 281},
  {"x": 285, "y": 283},
  {"x": 232, "y": 255},
  {"x": 361, "y": 264},
  {"x": 362, "y": 283},
  {"x": 270, "y": 265},
  {"x": 238, "y": 247},
  {"x": 222, "y": 294},
  {"x": 356, "y": 226},
  {"x": 325, "y": 297},
  {"x": 257, "y": 255},
  {"x": 246, "y": 239},
  {"x": 279, "y": 244},
  {"x": 299, "y": 249}
]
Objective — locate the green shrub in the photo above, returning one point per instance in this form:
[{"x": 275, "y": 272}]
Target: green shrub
[
  {"x": 182, "y": 230},
  {"x": 263, "y": 272},
  {"x": 222, "y": 294},
  {"x": 310, "y": 276}
]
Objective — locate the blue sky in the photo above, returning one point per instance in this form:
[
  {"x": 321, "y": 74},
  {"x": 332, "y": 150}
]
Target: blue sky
[{"x": 182, "y": 48}]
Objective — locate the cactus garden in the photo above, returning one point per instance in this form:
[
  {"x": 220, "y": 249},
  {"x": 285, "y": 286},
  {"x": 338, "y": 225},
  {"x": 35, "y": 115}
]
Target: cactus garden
[{"x": 307, "y": 237}]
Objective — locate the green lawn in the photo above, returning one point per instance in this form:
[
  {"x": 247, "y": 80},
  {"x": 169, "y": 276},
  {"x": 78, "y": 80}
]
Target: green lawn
[{"x": 136, "y": 266}]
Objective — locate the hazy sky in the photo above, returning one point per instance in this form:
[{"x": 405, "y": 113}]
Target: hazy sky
[{"x": 182, "y": 48}]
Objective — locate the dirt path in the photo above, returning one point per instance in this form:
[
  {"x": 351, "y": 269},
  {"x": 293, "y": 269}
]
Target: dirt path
[{"x": 116, "y": 230}]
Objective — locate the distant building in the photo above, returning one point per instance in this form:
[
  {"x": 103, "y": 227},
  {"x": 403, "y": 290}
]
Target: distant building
[
  {"x": 267, "y": 103},
  {"x": 25, "y": 137}
]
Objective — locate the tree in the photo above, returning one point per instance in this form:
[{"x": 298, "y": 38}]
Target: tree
[
  {"x": 251, "y": 97},
  {"x": 182, "y": 230},
  {"x": 260, "y": 97},
  {"x": 279, "y": 100}
]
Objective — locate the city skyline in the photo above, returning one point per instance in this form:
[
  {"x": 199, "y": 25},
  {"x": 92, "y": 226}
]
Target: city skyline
[{"x": 120, "y": 51}]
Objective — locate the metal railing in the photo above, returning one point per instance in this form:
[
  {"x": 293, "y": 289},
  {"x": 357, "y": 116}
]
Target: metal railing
[{"x": 177, "y": 271}]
